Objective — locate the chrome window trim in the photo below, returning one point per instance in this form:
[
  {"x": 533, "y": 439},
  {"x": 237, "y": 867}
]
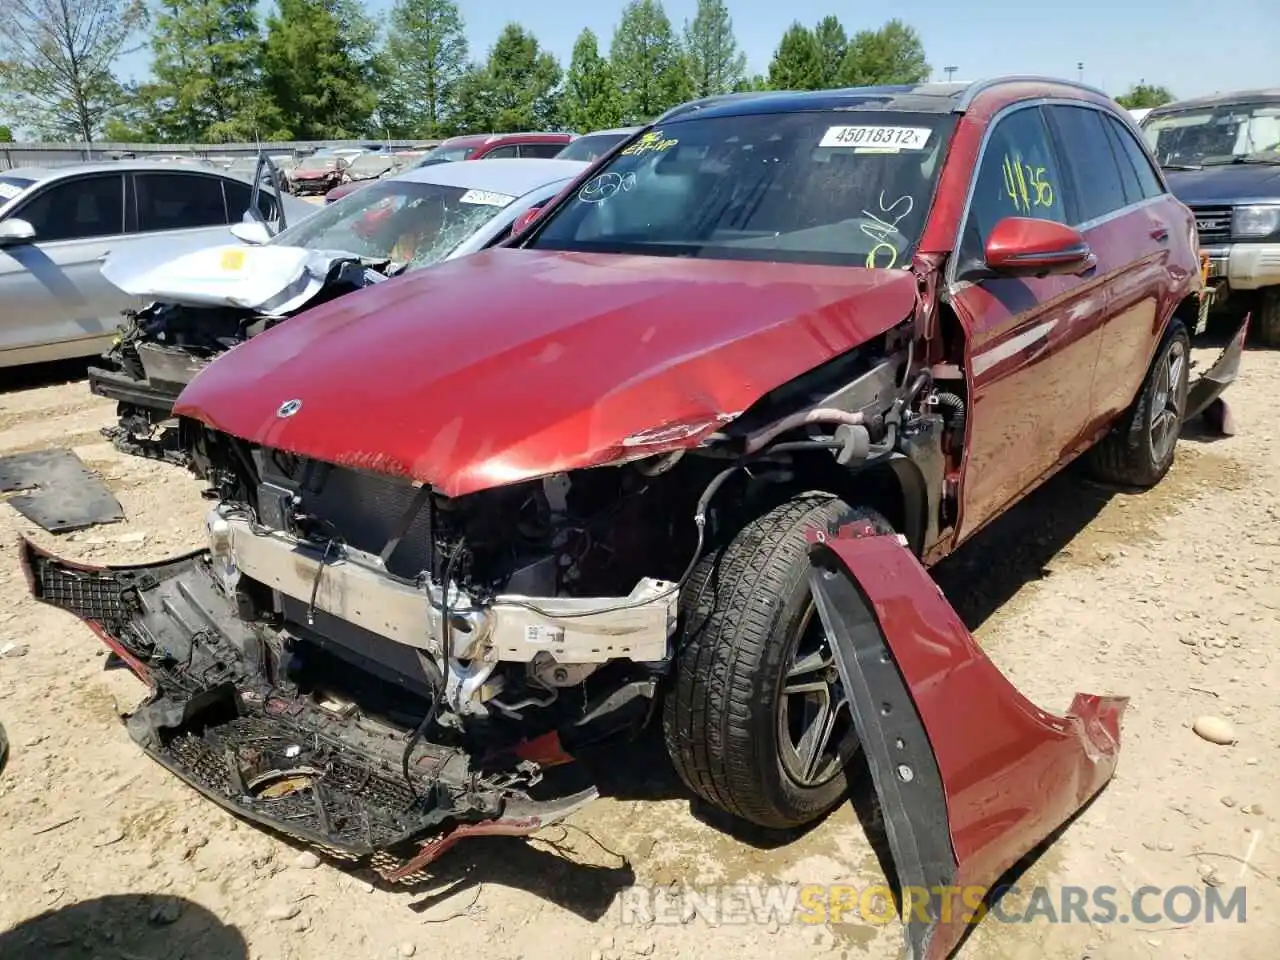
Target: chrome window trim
[
  {"x": 41, "y": 187},
  {"x": 952, "y": 284}
]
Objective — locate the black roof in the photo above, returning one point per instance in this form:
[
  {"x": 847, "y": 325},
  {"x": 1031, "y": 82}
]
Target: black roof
[
  {"x": 939, "y": 98},
  {"x": 917, "y": 98}
]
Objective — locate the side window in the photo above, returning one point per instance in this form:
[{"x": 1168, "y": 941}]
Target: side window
[
  {"x": 1019, "y": 177},
  {"x": 1128, "y": 175},
  {"x": 540, "y": 150},
  {"x": 177, "y": 201},
  {"x": 77, "y": 209},
  {"x": 1084, "y": 147},
  {"x": 238, "y": 195},
  {"x": 500, "y": 153},
  {"x": 1147, "y": 179}
]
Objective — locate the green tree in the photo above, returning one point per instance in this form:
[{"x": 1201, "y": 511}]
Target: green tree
[
  {"x": 56, "y": 59},
  {"x": 590, "y": 100},
  {"x": 715, "y": 63},
  {"x": 797, "y": 63},
  {"x": 1142, "y": 94},
  {"x": 516, "y": 89},
  {"x": 6, "y": 135},
  {"x": 756, "y": 83},
  {"x": 320, "y": 67},
  {"x": 207, "y": 72},
  {"x": 833, "y": 44},
  {"x": 473, "y": 103},
  {"x": 648, "y": 65},
  {"x": 891, "y": 55},
  {"x": 425, "y": 57}
]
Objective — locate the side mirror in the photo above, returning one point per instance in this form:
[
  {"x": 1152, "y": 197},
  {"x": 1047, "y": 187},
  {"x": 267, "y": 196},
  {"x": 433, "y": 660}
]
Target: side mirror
[
  {"x": 14, "y": 232},
  {"x": 1023, "y": 247},
  {"x": 525, "y": 219},
  {"x": 253, "y": 232}
]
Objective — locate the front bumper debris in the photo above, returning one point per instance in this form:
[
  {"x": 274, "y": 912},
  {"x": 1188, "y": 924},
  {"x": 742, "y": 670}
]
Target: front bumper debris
[
  {"x": 226, "y": 716},
  {"x": 1205, "y": 394},
  {"x": 971, "y": 776}
]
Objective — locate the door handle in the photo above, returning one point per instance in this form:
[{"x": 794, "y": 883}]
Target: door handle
[{"x": 1160, "y": 233}]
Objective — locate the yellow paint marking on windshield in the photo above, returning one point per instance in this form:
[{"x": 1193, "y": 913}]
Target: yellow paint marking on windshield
[
  {"x": 232, "y": 259},
  {"x": 1025, "y": 185},
  {"x": 877, "y": 250},
  {"x": 651, "y": 142}
]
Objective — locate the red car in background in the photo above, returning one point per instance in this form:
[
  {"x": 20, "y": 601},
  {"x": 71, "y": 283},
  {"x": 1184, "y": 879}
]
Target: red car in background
[{"x": 479, "y": 146}]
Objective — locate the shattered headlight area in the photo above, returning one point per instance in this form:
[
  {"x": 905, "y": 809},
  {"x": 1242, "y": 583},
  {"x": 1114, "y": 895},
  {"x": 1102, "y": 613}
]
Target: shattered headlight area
[
  {"x": 197, "y": 317},
  {"x": 286, "y": 747}
]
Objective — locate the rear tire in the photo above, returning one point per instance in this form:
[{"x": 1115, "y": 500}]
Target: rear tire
[
  {"x": 1139, "y": 450},
  {"x": 1266, "y": 328},
  {"x": 753, "y": 665}
]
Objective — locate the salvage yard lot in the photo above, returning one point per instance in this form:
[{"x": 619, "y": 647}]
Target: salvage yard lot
[{"x": 1171, "y": 597}]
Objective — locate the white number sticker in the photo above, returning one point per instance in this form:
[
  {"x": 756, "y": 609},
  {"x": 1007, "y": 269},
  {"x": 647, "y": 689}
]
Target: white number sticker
[
  {"x": 880, "y": 138},
  {"x": 8, "y": 191},
  {"x": 485, "y": 197},
  {"x": 543, "y": 635}
]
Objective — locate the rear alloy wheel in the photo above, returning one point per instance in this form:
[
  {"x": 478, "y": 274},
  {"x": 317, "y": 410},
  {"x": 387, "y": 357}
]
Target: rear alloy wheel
[
  {"x": 756, "y": 719},
  {"x": 1140, "y": 449}
]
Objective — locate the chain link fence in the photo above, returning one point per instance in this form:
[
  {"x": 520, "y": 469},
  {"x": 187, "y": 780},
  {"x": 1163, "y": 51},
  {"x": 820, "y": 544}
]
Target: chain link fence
[{"x": 61, "y": 154}]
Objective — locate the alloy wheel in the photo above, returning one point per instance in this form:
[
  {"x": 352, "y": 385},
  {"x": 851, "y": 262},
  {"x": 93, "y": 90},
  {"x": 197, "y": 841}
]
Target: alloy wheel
[
  {"x": 816, "y": 736},
  {"x": 1168, "y": 400}
]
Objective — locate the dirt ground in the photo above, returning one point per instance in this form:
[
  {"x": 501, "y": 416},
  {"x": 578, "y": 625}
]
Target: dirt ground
[{"x": 1170, "y": 597}]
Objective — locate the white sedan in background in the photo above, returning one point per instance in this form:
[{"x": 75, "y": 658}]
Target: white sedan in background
[
  {"x": 208, "y": 301},
  {"x": 57, "y": 225}
]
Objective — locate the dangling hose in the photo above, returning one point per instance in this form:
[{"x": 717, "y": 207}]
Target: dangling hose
[{"x": 439, "y": 681}]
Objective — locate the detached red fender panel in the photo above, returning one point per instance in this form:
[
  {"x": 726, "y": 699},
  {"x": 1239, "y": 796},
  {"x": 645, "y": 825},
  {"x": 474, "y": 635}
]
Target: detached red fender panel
[{"x": 970, "y": 774}]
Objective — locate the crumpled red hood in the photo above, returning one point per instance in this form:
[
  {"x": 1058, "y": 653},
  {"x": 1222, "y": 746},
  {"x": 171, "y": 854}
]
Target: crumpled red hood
[{"x": 512, "y": 364}]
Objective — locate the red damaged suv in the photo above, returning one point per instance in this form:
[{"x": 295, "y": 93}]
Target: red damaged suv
[{"x": 682, "y": 448}]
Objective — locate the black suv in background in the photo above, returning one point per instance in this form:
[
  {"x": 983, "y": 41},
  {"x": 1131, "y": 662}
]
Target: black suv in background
[{"x": 1221, "y": 156}]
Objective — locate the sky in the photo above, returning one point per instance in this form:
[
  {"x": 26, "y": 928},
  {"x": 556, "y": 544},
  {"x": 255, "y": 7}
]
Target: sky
[{"x": 1184, "y": 45}]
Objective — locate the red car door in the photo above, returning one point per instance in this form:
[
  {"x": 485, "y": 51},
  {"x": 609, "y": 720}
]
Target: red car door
[
  {"x": 1131, "y": 241},
  {"x": 1032, "y": 343},
  {"x": 1157, "y": 233}
]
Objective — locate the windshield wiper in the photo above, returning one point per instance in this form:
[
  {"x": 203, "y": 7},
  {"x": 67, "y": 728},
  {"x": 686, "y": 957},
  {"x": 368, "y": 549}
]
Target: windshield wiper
[
  {"x": 1242, "y": 158},
  {"x": 1181, "y": 166}
]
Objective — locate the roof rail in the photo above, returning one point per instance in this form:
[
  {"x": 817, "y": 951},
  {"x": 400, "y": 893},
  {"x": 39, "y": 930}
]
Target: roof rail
[
  {"x": 699, "y": 104},
  {"x": 981, "y": 86}
]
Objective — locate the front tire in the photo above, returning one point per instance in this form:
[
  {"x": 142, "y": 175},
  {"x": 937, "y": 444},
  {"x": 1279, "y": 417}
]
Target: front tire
[
  {"x": 1139, "y": 450},
  {"x": 756, "y": 721}
]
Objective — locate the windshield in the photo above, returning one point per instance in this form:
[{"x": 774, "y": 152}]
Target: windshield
[
  {"x": 1210, "y": 135},
  {"x": 847, "y": 188},
  {"x": 11, "y": 187},
  {"x": 590, "y": 147},
  {"x": 410, "y": 223},
  {"x": 443, "y": 154},
  {"x": 371, "y": 164},
  {"x": 317, "y": 162}
]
